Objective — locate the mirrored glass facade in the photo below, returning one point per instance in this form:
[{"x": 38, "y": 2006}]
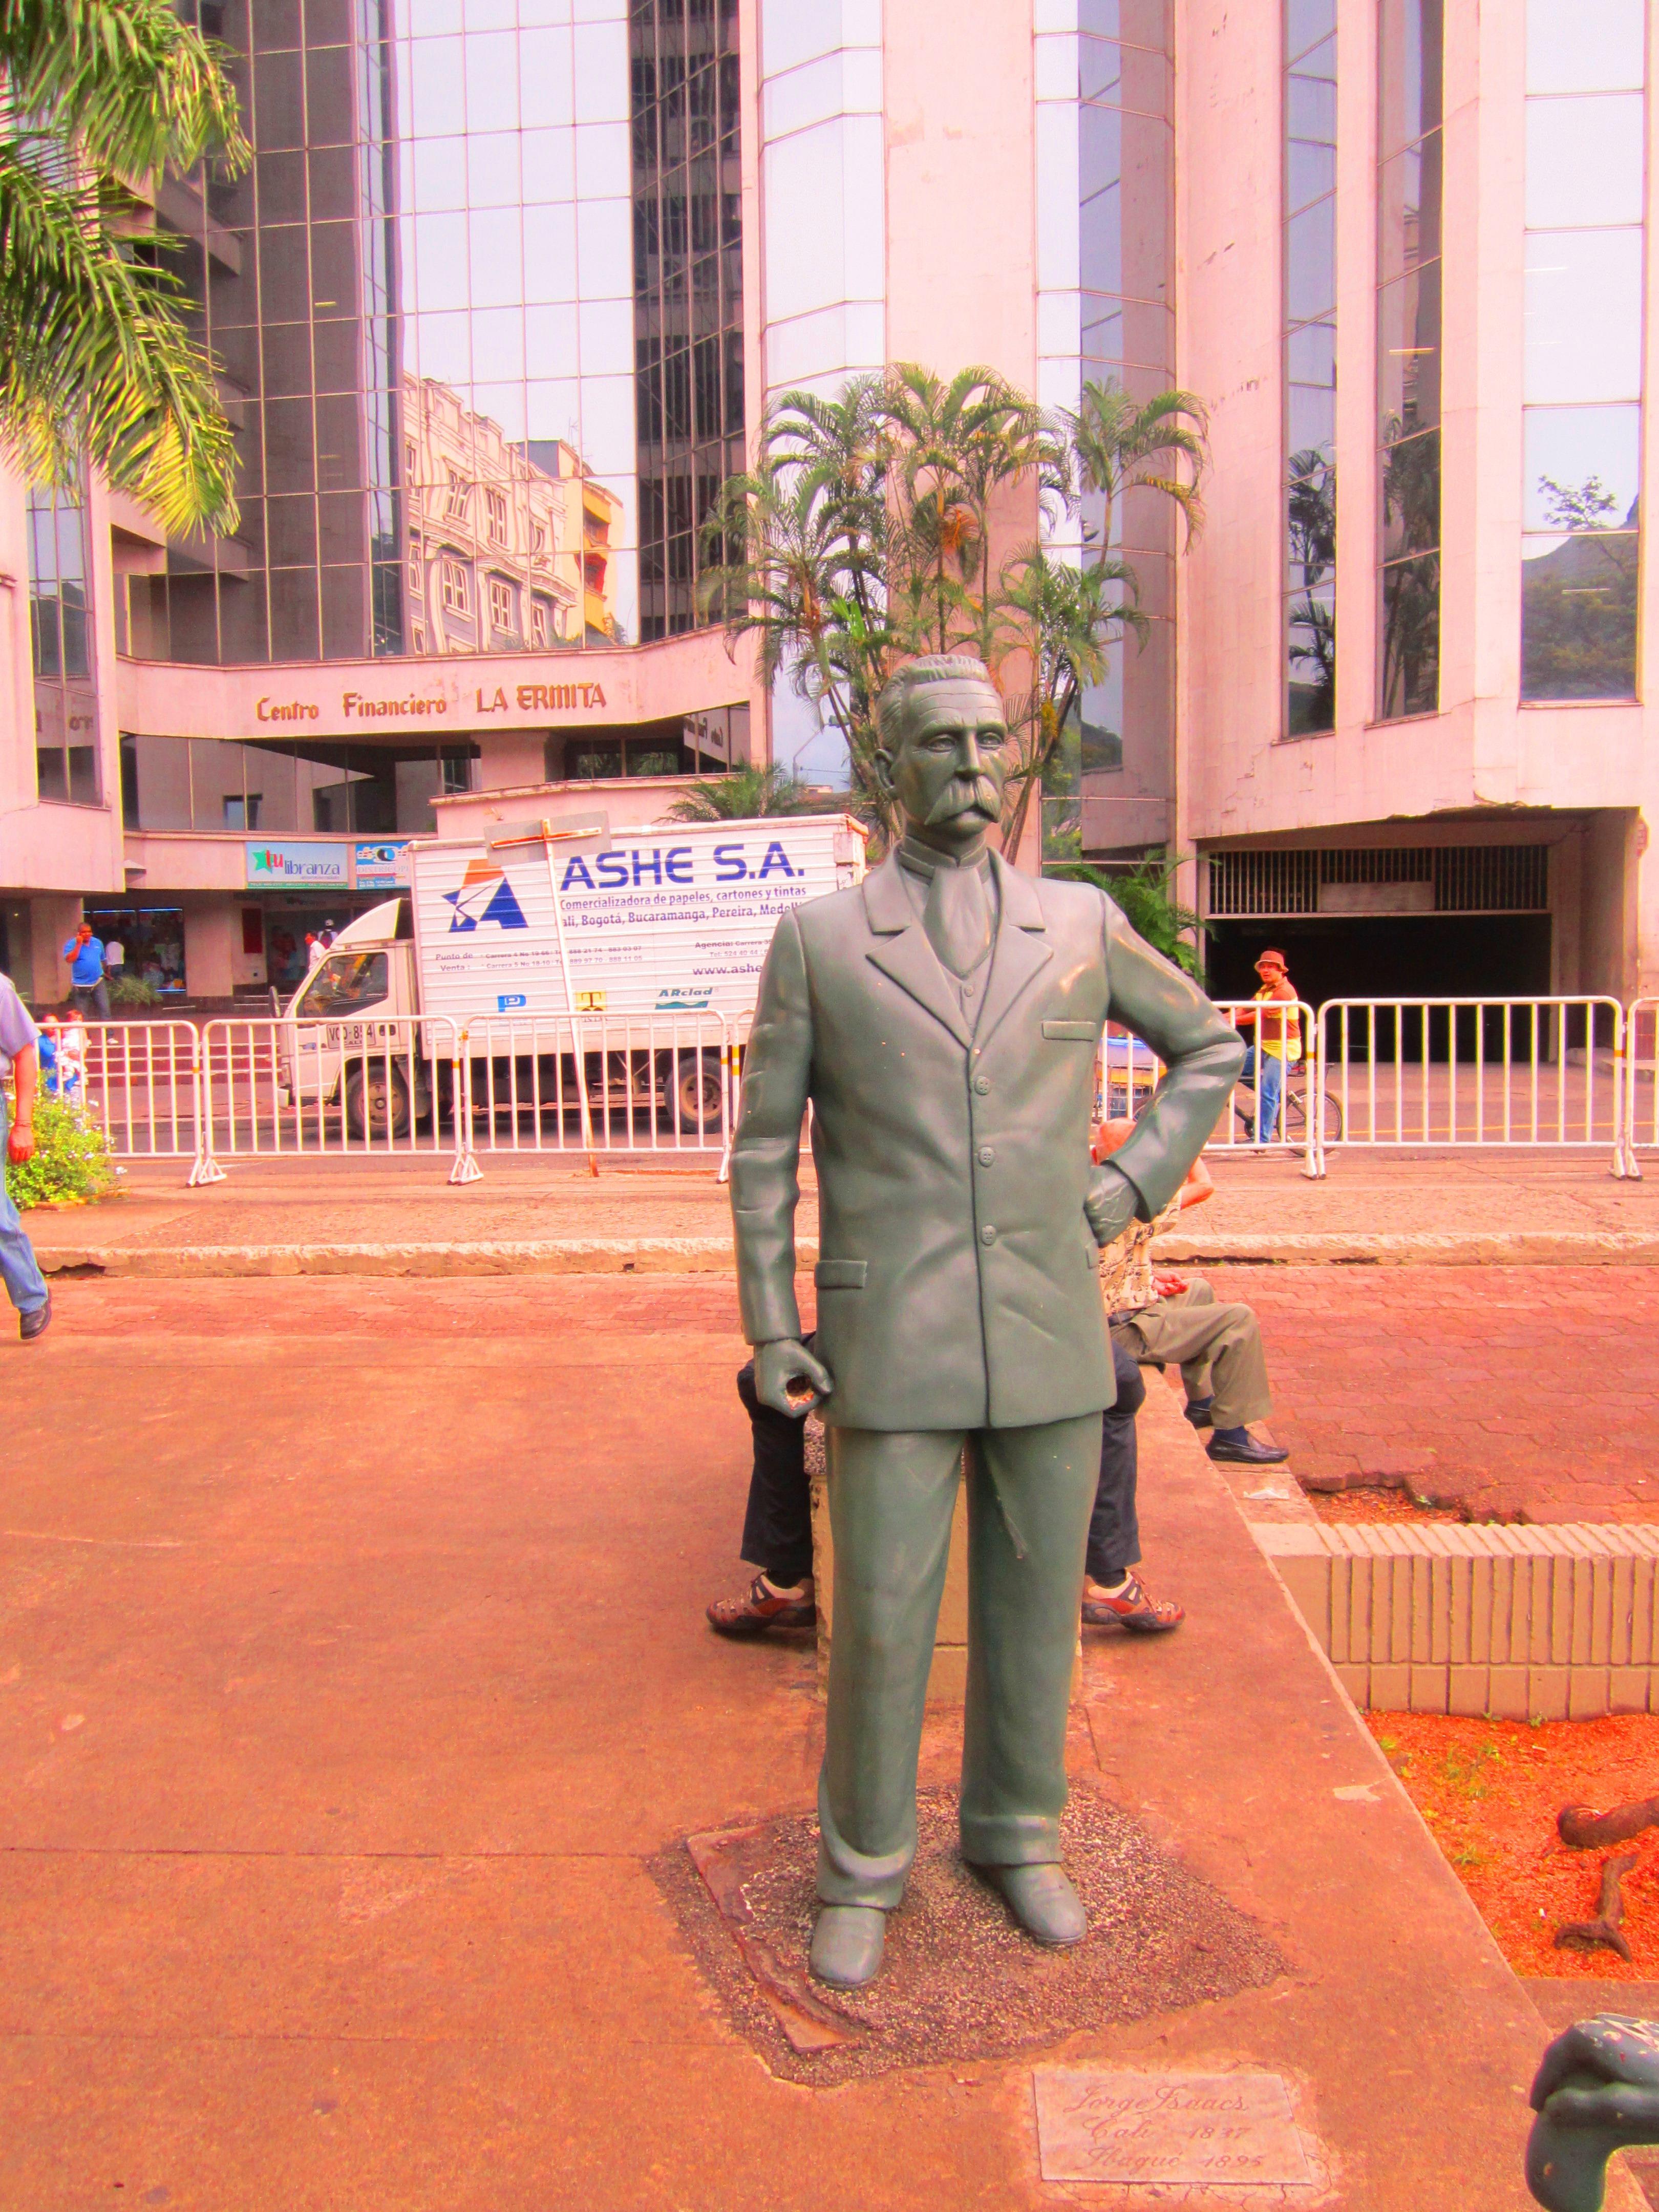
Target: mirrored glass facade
[
  {"x": 1580, "y": 509},
  {"x": 1410, "y": 166},
  {"x": 1309, "y": 366},
  {"x": 423, "y": 295},
  {"x": 61, "y": 650},
  {"x": 1126, "y": 185},
  {"x": 688, "y": 290}
]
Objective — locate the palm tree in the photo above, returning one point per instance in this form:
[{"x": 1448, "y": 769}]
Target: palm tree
[
  {"x": 96, "y": 365},
  {"x": 1119, "y": 443},
  {"x": 1065, "y": 619},
  {"x": 746, "y": 793}
]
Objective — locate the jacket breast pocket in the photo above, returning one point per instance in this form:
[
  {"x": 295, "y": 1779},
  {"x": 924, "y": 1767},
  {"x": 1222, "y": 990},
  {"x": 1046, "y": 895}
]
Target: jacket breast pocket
[
  {"x": 1073, "y": 1032},
  {"x": 841, "y": 1274}
]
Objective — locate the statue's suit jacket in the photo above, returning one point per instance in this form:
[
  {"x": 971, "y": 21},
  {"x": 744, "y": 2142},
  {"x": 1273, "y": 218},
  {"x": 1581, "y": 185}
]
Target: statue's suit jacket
[{"x": 957, "y": 1283}]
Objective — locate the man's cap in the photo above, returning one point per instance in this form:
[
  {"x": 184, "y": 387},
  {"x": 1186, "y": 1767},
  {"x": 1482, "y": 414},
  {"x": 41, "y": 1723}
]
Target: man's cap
[{"x": 1270, "y": 954}]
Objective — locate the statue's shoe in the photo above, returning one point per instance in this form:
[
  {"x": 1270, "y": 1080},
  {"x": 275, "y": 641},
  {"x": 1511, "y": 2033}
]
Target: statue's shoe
[
  {"x": 846, "y": 1944},
  {"x": 1043, "y": 1900}
]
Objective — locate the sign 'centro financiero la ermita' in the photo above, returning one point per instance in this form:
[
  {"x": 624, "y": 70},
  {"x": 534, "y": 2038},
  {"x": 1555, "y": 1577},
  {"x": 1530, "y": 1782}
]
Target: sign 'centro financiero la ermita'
[{"x": 355, "y": 706}]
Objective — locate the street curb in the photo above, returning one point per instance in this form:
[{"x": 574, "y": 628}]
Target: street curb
[
  {"x": 1488, "y": 1247},
  {"x": 712, "y": 1255}
]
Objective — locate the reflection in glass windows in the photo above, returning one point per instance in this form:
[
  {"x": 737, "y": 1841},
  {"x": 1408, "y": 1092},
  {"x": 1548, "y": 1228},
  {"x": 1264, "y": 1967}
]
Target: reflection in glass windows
[
  {"x": 688, "y": 291},
  {"x": 1125, "y": 185},
  {"x": 419, "y": 295},
  {"x": 1310, "y": 367},
  {"x": 1409, "y": 335},
  {"x": 60, "y": 615},
  {"x": 1581, "y": 508},
  {"x": 301, "y": 789}
]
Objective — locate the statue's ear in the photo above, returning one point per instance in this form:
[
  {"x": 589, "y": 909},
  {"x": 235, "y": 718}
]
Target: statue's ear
[{"x": 885, "y": 772}]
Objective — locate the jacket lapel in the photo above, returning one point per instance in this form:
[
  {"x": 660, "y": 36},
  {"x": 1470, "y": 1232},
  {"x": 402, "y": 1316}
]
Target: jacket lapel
[
  {"x": 1021, "y": 953},
  {"x": 901, "y": 951}
]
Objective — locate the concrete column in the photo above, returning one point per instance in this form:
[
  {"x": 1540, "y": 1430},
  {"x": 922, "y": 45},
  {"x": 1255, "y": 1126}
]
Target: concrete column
[
  {"x": 54, "y": 919},
  {"x": 212, "y": 941},
  {"x": 514, "y": 756}
]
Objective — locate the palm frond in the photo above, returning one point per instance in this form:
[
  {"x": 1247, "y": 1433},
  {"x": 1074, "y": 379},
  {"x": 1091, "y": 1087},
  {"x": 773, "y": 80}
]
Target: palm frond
[{"x": 95, "y": 361}]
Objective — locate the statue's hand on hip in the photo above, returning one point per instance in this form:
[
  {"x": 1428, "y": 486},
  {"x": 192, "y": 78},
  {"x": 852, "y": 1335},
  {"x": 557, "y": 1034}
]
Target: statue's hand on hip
[
  {"x": 788, "y": 1379},
  {"x": 1111, "y": 1203}
]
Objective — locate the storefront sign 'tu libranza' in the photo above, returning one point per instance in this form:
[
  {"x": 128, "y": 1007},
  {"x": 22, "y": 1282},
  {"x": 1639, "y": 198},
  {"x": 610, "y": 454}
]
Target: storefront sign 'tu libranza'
[{"x": 313, "y": 864}]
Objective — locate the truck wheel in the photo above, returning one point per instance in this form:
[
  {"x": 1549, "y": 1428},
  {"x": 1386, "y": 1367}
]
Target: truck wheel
[
  {"x": 699, "y": 1094},
  {"x": 376, "y": 1102}
]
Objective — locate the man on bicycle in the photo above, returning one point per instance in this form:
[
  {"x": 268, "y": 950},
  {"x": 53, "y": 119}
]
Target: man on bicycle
[{"x": 1275, "y": 1039}]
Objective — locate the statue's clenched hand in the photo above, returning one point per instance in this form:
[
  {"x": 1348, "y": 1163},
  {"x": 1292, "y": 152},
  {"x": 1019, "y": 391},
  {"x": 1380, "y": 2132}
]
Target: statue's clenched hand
[
  {"x": 1111, "y": 1204},
  {"x": 788, "y": 1379}
]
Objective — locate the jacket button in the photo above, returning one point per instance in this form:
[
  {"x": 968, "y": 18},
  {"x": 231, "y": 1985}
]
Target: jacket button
[
  {"x": 986, "y": 1156},
  {"x": 988, "y": 1235},
  {"x": 982, "y": 1084}
]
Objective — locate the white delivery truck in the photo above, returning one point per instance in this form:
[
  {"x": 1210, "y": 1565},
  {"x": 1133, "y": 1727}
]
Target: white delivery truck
[{"x": 652, "y": 936}]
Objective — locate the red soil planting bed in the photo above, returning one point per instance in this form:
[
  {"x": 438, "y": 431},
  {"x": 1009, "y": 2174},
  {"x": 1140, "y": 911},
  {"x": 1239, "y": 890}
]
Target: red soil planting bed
[{"x": 1490, "y": 1791}]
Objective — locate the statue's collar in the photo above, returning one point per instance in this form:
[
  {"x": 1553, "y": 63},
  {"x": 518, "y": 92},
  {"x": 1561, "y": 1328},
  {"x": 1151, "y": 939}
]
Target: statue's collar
[
  {"x": 919, "y": 860},
  {"x": 889, "y": 908}
]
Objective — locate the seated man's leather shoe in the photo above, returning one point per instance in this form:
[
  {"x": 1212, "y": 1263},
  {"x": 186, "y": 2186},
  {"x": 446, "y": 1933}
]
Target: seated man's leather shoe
[
  {"x": 31, "y": 1325},
  {"x": 846, "y": 1944},
  {"x": 1043, "y": 1900},
  {"x": 1238, "y": 1447}
]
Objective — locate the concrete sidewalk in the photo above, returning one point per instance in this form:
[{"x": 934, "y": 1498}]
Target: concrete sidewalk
[
  {"x": 548, "y": 1216},
  {"x": 352, "y": 1674}
]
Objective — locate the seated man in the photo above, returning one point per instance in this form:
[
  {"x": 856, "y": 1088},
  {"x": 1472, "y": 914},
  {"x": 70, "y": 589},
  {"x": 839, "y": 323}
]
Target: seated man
[
  {"x": 1113, "y": 1593},
  {"x": 1167, "y": 1320},
  {"x": 777, "y": 1527}
]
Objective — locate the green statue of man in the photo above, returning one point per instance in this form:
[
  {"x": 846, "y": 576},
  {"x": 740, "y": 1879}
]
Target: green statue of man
[{"x": 943, "y": 1018}]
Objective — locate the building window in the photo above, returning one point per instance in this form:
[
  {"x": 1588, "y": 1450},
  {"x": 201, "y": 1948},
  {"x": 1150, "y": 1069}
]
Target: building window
[
  {"x": 60, "y": 630},
  {"x": 1410, "y": 166},
  {"x": 688, "y": 299},
  {"x": 537, "y": 540},
  {"x": 460, "y": 492},
  {"x": 1310, "y": 367},
  {"x": 457, "y": 587},
  {"x": 496, "y": 515},
  {"x": 417, "y": 581},
  {"x": 500, "y": 607},
  {"x": 539, "y": 625},
  {"x": 1582, "y": 377}
]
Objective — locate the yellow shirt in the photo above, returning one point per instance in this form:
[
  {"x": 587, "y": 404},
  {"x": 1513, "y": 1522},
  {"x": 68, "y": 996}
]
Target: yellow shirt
[{"x": 1279, "y": 1035}]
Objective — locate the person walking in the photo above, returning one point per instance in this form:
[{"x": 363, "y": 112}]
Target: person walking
[
  {"x": 85, "y": 955},
  {"x": 1274, "y": 1039},
  {"x": 20, "y": 1058}
]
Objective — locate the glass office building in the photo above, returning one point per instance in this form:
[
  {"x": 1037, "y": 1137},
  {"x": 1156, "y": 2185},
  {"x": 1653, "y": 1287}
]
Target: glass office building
[{"x": 422, "y": 296}]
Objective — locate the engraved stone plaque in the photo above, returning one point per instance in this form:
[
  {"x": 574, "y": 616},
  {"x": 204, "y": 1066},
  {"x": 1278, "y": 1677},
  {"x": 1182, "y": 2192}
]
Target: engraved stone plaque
[{"x": 1093, "y": 2125}]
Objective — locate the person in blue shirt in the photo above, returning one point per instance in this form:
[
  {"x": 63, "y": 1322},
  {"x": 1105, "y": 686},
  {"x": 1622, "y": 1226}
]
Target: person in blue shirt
[
  {"x": 85, "y": 955},
  {"x": 20, "y": 1060}
]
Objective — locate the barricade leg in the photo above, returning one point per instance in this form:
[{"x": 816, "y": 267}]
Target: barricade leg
[{"x": 465, "y": 1168}]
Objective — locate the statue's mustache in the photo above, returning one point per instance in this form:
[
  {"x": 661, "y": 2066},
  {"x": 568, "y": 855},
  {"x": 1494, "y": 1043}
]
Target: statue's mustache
[{"x": 965, "y": 794}]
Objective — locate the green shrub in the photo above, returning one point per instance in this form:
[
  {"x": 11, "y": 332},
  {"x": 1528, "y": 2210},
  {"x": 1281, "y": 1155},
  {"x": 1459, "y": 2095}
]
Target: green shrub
[
  {"x": 133, "y": 990},
  {"x": 71, "y": 1158}
]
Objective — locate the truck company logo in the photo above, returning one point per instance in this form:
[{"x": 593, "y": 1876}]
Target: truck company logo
[
  {"x": 485, "y": 894},
  {"x": 672, "y": 1002}
]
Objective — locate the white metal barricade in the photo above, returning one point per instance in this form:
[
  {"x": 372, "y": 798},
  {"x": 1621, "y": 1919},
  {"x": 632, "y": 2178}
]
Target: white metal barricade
[
  {"x": 1641, "y": 1081},
  {"x": 136, "y": 1083},
  {"x": 1129, "y": 1072},
  {"x": 377, "y": 1087},
  {"x": 654, "y": 1082},
  {"x": 1460, "y": 1074}
]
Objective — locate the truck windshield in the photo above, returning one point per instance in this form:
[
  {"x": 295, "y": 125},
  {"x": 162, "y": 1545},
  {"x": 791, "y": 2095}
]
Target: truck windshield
[{"x": 345, "y": 983}]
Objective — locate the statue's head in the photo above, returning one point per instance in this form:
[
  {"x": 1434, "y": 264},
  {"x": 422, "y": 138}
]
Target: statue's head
[{"x": 942, "y": 747}]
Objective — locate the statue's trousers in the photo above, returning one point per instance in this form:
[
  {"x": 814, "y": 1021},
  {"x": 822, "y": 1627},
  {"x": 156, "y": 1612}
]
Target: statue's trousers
[{"x": 892, "y": 1497}]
